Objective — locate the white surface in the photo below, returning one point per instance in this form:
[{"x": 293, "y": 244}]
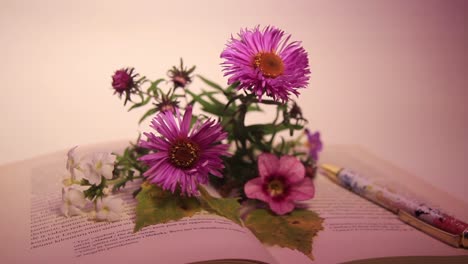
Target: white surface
[{"x": 388, "y": 75}]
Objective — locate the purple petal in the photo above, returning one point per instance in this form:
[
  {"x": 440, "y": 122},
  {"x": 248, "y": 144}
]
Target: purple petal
[
  {"x": 239, "y": 54},
  {"x": 315, "y": 144},
  {"x": 185, "y": 125},
  {"x": 173, "y": 127}
]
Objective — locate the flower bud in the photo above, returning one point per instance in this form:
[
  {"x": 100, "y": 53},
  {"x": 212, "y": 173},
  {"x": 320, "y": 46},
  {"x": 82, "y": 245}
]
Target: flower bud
[
  {"x": 181, "y": 76},
  {"x": 295, "y": 111},
  {"x": 167, "y": 105},
  {"x": 122, "y": 80}
]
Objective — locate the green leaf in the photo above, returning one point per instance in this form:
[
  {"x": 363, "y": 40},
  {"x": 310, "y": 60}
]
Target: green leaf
[
  {"x": 232, "y": 87},
  {"x": 271, "y": 128},
  {"x": 197, "y": 98},
  {"x": 226, "y": 207},
  {"x": 157, "y": 206},
  {"x": 156, "y": 83},
  {"x": 140, "y": 104},
  {"x": 211, "y": 83},
  {"x": 147, "y": 114},
  {"x": 154, "y": 87},
  {"x": 191, "y": 69},
  {"x": 215, "y": 108},
  {"x": 214, "y": 100},
  {"x": 294, "y": 230},
  {"x": 94, "y": 191},
  {"x": 254, "y": 107},
  {"x": 122, "y": 181}
]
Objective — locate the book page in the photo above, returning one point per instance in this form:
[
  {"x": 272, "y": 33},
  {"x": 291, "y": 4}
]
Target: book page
[
  {"x": 36, "y": 232},
  {"x": 355, "y": 228}
]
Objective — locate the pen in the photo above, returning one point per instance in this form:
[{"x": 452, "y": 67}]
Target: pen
[{"x": 429, "y": 220}]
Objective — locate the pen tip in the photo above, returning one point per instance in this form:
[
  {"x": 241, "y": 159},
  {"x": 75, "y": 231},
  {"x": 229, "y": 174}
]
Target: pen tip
[{"x": 330, "y": 169}]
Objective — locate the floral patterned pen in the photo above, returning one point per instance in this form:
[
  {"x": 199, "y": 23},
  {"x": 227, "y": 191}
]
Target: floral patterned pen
[{"x": 429, "y": 220}]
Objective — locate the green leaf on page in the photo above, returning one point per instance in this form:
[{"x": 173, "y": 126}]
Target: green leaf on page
[
  {"x": 295, "y": 230},
  {"x": 157, "y": 206},
  {"x": 226, "y": 207}
]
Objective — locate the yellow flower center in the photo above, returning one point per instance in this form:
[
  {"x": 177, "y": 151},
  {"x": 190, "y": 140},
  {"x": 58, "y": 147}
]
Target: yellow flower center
[
  {"x": 275, "y": 188},
  {"x": 184, "y": 154},
  {"x": 99, "y": 165},
  {"x": 270, "y": 64}
]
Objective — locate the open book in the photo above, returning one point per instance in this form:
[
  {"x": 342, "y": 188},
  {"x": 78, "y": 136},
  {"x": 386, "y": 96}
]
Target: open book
[{"x": 33, "y": 230}]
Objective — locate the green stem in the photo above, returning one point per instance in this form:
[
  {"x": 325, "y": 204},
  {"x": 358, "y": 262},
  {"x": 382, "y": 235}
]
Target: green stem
[
  {"x": 274, "y": 123},
  {"x": 110, "y": 182}
]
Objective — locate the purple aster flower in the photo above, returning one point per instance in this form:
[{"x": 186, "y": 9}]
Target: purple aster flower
[
  {"x": 315, "y": 144},
  {"x": 265, "y": 62},
  {"x": 281, "y": 183},
  {"x": 183, "y": 156}
]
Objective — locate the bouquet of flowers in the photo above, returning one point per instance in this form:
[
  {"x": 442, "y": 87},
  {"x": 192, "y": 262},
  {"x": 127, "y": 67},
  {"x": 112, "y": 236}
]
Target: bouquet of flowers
[{"x": 259, "y": 173}]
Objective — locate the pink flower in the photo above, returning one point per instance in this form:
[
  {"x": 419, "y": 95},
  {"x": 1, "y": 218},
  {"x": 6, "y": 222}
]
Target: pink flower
[
  {"x": 264, "y": 61},
  {"x": 280, "y": 184},
  {"x": 182, "y": 155}
]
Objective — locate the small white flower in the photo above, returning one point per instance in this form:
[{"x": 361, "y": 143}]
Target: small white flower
[
  {"x": 109, "y": 209},
  {"x": 72, "y": 163},
  {"x": 67, "y": 182},
  {"x": 73, "y": 201},
  {"x": 91, "y": 215},
  {"x": 100, "y": 164}
]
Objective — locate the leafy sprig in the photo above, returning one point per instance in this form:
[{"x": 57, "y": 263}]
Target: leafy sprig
[{"x": 231, "y": 108}]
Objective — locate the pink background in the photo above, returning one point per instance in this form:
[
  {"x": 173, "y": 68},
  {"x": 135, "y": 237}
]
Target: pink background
[{"x": 390, "y": 76}]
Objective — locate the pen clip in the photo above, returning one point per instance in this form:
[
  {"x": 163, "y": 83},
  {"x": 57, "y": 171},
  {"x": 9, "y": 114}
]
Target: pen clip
[{"x": 451, "y": 239}]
